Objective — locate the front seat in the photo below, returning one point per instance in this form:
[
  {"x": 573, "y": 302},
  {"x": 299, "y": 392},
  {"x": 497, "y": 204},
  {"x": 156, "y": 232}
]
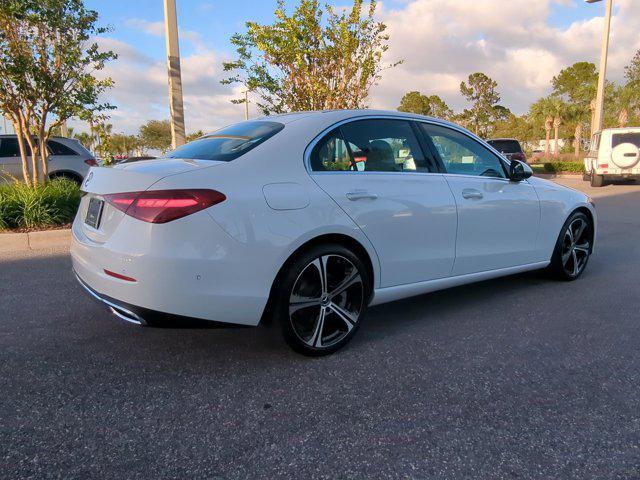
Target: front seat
[{"x": 380, "y": 157}]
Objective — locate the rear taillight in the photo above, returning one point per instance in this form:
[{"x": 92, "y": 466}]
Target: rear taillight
[
  {"x": 162, "y": 206},
  {"x": 91, "y": 162},
  {"x": 603, "y": 165}
]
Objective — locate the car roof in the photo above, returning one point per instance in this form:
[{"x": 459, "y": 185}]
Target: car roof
[{"x": 325, "y": 118}]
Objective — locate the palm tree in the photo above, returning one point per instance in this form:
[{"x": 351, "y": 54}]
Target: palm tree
[{"x": 550, "y": 111}]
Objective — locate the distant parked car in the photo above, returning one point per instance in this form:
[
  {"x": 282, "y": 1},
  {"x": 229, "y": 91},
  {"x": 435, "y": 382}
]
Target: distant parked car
[
  {"x": 614, "y": 155},
  {"x": 67, "y": 158},
  {"x": 509, "y": 147}
]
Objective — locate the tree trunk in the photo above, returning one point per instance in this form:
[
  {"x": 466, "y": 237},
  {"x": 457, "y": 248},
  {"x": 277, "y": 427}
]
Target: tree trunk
[
  {"x": 23, "y": 153},
  {"x": 26, "y": 134},
  {"x": 623, "y": 118},
  {"x": 556, "y": 126},
  {"x": 548, "y": 140},
  {"x": 578, "y": 140}
]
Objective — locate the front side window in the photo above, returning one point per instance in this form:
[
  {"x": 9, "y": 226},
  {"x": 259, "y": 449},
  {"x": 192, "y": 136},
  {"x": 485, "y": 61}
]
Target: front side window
[
  {"x": 228, "y": 143},
  {"x": 375, "y": 145},
  {"x": 463, "y": 155}
]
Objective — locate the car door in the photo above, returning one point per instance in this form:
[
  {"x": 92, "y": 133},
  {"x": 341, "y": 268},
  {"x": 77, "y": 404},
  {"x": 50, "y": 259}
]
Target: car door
[
  {"x": 377, "y": 172},
  {"x": 10, "y": 161},
  {"x": 498, "y": 220}
]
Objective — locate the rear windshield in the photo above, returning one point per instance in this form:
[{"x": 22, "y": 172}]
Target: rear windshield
[
  {"x": 506, "y": 146},
  {"x": 619, "y": 138},
  {"x": 229, "y": 142}
]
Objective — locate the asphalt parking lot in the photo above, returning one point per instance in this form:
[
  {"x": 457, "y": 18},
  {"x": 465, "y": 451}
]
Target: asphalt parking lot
[{"x": 521, "y": 377}]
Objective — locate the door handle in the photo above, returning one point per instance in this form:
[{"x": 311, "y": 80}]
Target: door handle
[
  {"x": 472, "y": 193},
  {"x": 361, "y": 195}
]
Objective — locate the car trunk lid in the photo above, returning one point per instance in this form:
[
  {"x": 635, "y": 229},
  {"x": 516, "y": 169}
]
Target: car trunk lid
[{"x": 97, "y": 218}]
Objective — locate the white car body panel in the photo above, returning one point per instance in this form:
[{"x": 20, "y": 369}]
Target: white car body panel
[
  {"x": 413, "y": 232},
  {"x": 221, "y": 263}
]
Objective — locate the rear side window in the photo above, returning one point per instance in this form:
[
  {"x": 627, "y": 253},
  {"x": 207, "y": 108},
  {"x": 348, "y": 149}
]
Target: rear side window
[
  {"x": 57, "y": 148},
  {"x": 375, "y": 145},
  {"x": 9, "y": 147},
  {"x": 506, "y": 146},
  {"x": 228, "y": 143},
  {"x": 619, "y": 138}
]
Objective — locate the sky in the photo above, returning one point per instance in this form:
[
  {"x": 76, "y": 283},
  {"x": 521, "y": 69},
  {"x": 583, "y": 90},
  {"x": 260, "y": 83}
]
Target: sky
[{"x": 521, "y": 44}]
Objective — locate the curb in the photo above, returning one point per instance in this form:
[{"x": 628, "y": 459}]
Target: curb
[{"x": 16, "y": 242}]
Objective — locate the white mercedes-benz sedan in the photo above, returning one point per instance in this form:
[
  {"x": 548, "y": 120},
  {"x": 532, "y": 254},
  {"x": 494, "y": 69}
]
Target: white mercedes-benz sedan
[{"x": 309, "y": 218}]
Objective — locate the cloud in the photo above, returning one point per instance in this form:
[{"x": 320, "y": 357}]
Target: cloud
[
  {"x": 141, "y": 89},
  {"x": 513, "y": 42},
  {"x": 152, "y": 28}
]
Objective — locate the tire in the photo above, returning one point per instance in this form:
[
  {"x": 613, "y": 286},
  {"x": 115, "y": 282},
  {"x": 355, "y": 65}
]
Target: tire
[
  {"x": 573, "y": 248},
  {"x": 319, "y": 317},
  {"x": 586, "y": 177},
  {"x": 69, "y": 176},
  {"x": 597, "y": 180}
]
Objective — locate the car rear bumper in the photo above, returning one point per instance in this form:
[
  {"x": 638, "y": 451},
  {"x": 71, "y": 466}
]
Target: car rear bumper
[{"x": 190, "y": 269}]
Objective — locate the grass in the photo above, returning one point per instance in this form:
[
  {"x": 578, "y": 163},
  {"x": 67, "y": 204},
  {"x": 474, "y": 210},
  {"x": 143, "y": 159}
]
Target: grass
[{"x": 49, "y": 205}]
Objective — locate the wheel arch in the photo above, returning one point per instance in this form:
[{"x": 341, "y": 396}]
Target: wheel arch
[
  {"x": 70, "y": 174},
  {"x": 591, "y": 216},
  {"x": 338, "y": 238}
]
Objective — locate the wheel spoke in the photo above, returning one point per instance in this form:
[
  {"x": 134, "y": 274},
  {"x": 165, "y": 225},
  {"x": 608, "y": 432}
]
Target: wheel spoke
[
  {"x": 351, "y": 279},
  {"x": 347, "y": 317},
  {"x": 316, "y": 338},
  {"x": 575, "y": 262},
  {"x": 565, "y": 257},
  {"x": 298, "y": 302},
  {"x": 321, "y": 265},
  {"x": 580, "y": 230},
  {"x": 570, "y": 234},
  {"x": 583, "y": 248}
]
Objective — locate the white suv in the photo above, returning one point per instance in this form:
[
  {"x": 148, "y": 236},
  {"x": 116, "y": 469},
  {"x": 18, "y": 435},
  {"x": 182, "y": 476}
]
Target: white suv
[
  {"x": 614, "y": 155},
  {"x": 67, "y": 158}
]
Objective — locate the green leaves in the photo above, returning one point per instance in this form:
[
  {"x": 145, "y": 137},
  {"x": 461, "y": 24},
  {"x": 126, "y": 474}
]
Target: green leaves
[{"x": 311, "y": 59}]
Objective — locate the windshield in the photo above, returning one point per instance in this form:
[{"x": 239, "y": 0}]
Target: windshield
[
  {"x": 619, "y": 138},
  {"x": 229, "y": 142},
  {"x": 506, "y": 146}
]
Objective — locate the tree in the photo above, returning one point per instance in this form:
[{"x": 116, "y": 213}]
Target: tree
[
  {"x": 47, "y": 65},
  {"x": 194, "y": 135},
  {"x": 549, "y": 111},
  {"x": 415, "y": 102},
  {"x": 306, "y": 62},
  {"x": 482, "y": 92},
  {"x": 576, "y": 84},
  {"x": 85, "y": 138},
  {"x": 156, "y": 135}
]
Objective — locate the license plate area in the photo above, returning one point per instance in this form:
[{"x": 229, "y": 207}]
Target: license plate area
[{"x": 94, "y": 212}]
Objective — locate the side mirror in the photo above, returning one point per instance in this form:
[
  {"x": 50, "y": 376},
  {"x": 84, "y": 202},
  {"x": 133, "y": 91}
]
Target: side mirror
[{"x": 519, "y": 171}]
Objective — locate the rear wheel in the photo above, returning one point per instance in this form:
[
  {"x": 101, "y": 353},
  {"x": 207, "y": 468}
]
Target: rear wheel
[
  {"x": 597, "y": 180},
  {"x": 322, "y": 299},
  {"x": 586, "y": 176},
  {"x": 573, "y": 247}
]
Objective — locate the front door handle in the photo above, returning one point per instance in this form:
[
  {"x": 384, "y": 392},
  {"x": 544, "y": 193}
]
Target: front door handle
[
  {"x": 361, "y": 195},
  {"x": 472, "y": 193}
]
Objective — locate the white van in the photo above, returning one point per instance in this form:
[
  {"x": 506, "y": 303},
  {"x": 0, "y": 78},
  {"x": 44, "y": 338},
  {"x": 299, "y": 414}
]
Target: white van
[{"x": 614, "y": 155}]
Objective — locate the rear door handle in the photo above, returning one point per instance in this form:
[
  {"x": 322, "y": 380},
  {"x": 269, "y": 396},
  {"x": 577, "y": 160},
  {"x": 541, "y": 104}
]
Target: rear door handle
[
  {"x": 361, "y": 195},
  {"x": 472, "y": 193}
]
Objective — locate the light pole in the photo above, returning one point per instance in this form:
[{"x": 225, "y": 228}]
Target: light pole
[
  {"x": 246, "y": 104},
  {"x": 602, "y": 73},
  {"x": 175, "y": 79}
]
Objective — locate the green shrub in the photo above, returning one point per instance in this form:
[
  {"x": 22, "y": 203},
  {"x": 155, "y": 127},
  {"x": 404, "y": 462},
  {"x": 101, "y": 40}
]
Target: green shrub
[
  {"x": 557, "y": 167},
  {"x": 51, "y": 204}
]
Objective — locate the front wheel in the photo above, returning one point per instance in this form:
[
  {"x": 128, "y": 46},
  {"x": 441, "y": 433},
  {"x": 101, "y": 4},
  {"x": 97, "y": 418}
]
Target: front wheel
[
  {"x": 322, "y": 299},
  {"x": 573, "y": 247}
]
